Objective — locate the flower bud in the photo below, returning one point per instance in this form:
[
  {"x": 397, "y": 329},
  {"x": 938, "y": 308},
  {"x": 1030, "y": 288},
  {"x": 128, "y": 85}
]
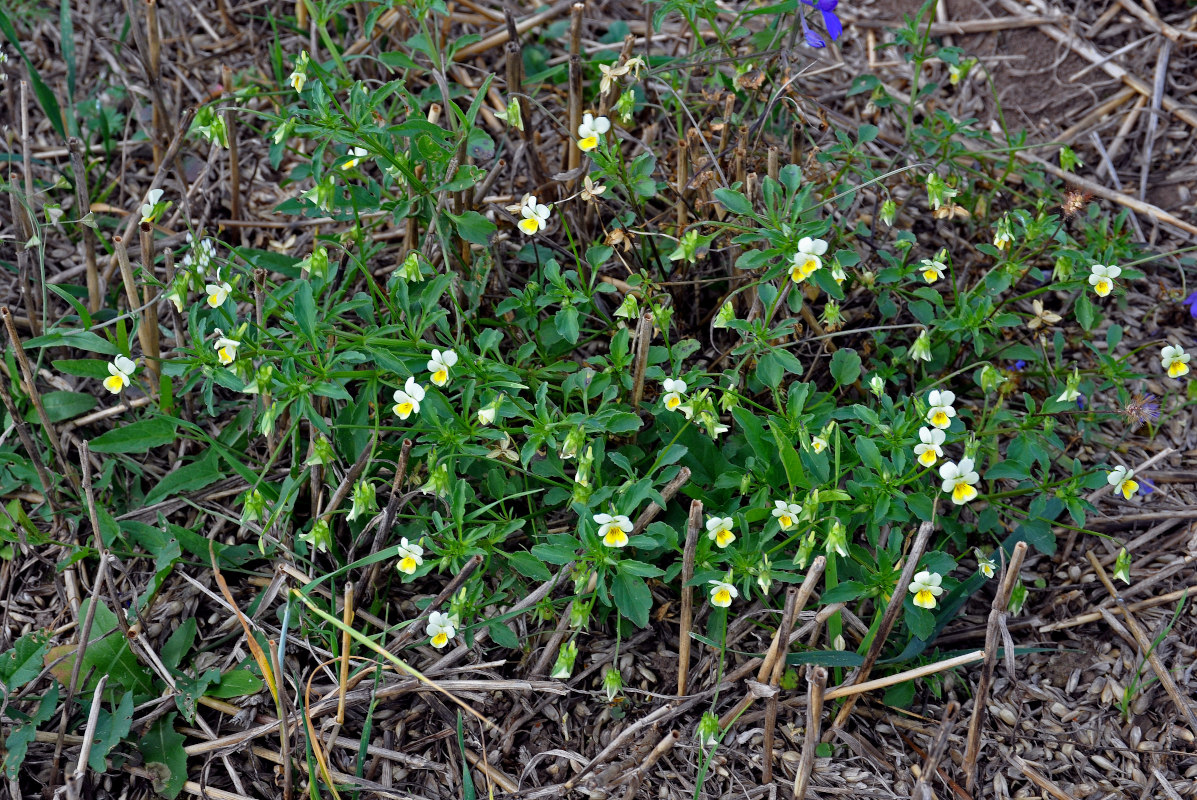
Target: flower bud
[
  {"x": 708, "y": 731},
  {"x": 438, "y": 481},
  {"x": 889, "y": 210},
  {"x": 564, "y": 665},
  {"x": 322, "y": 453},
  {"x": 365, "y": 500},
  {"x": 612, "y": 682}
]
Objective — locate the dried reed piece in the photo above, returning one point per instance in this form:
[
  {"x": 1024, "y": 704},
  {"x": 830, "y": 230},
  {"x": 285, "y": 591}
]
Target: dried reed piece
[
  {"x": 686, "y": 616},
  {"x": 997, "y": 619},
  {"x": 815, "y": 693},
  {"x": 887, "y": 621},
  {"x": 783, "y": 636}
]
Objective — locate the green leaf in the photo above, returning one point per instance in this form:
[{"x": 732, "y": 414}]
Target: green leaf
[
  {"x": 194, "y": 476},
  {"x": 554, "y": 553},
  {"x": 632, "y": 598},
  {"x": 920, "y": 621},
  {"x": 305, "y": 311},
  {"x": 869, "y": 454},
  {"x": 236, "y": 683},
  {"x": 136, "y": 437},
  {"x": 93, "y": 368},
  {"x": 1086, "y": 313},
  {"x": 165, "y": 760},
  {"x": 23, "y": 662},
  {"x": 734, "y": 201},
  {"x": 17, "y": 743},
  {"x": 1008, "y": 469},
  {"x": 179, "y": 644},
  {"x": 80, "y": 340},
  {"x": 64, "y": 405},
  {"x": 844, "y": 592},
  {"x": 641, "y": 569},
  {"x": 826, "y": 658},
  {"x": 111, "y": 728},
  {"x": 502, "y": 635},
  {"x": 567, "y": 323},
  {"x": 45, "y": 97},
  {"x": 845, "y": 366},
  {"x": 528, "y": 565},
  {"x": 474, "y": 228}
]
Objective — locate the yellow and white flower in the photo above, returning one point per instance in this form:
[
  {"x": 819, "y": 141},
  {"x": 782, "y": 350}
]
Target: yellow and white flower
[
  {"x": 818, "y": 444},
  {"x": 1121, "y": 479},
  {"x": 119, "y": 372},
  {"x": 960, "y": 480},
  {"x": 926, "y": 586},
  {"x": 1101, "y": 278},
  {"x": 487, "y": 414},
  {"x": 411, "y": 556},
  {"x": 921, "y": 349},
  {"x": 932, "y": 269},
  {"x": 150, "y": 209},
  {"x": 674, "y": 389},
  {"x": 1003, "y": 233},
  {"x": 1175, "y": 360},
  {"x": 930, "y": 449},
  {"x": 441, "y": 628},
  {"x": 941, "y": 409},
  {"x": 986, "y": 564},
  {"x": 613, "y": 529},
  {"x": 719, "y": 531},
  {"x": 591, "y": 130},
  {"x": 722, "y": 593},
  {"x": 787, "y": 513},
  {"x": 440, "y": 364},
  {"x": 218, "y": 293},
  {"x": 535, "y": 216},
  {"x": 299, "y": 76},
  {"x": 408, "y": 399},
  {"x": 356, "y": 154},
  {"x": 807, "y": 260},
  {"x": 226, "y": 348}
]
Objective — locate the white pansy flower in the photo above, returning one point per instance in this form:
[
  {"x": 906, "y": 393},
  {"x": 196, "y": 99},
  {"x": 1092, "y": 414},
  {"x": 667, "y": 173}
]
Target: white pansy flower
[
  {"x": 1175, "y": 360},
  {"x": 722, "y": 593},
  {"x": 1121, "y": 479},
  {"x": 226, "y": 348},
  {"x": 407, "y": 399},
  {"x": 986, "y": 564},
  {"x": 806, "y": 260},
  {"x": 932, "y": 270},
  {"x": 441, "y": 628},
  {"x": 217, "y": 293},
  {"x": 719, "y": 531},
  {"x": 119, "y": 372},
  {"x": 929, "y": 449},
  {"x": 960, "y": 480},
  {"x": 1101, "y": 278},
  {"x": 535, "y": 216},
  {"x": 591, "y": 130},
  {"x": 941, "y": 409},
  {"x": 613, "y": 529},
  {"x": 440, "y": 364},
  {"x": 787, "y": 513},
  {"x": 149, "y": 209},
  {"x": 356, "y": 154},
  {"x": 674, "y": 389},
  {"x": 411, "y": 556},
  {"x": 926, "y": 587}
]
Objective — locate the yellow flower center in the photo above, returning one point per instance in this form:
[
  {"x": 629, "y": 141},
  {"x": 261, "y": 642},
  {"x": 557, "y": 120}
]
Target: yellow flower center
[
  {"x": 722, "y": 598},
  {"x": 672, "y": 402},
  {"x": 403, "y": 409},
  {"x": 1102, "y": 287},
  {"x": 615, "y": 538},
  {"x": 440, "y": 640},
  {"x": 796, "y": 274},
  {"x": 114, "y": 383},
  {"x": 724, "y": 537},
  {"x": 529, "y": 225},
  {"x": 927, "y": 458},
  {"x": 407, "y": 565},
  {"x": 1177, "y": 369},
  {"x": 1128, "y": 488},
  {"x": 940, "y": 419},
  {"x": 930, "y": 275},
  {"x": 440, "y": 377},
  {"x": 226, "y": 354},
  {"x": 808, "y": 265},
  {"x": 588, "y": 144},
  {"x": 963, "y": 492},
  {"x": 924, "y": 599},
  {"x": 214, "y": 300},
  {"x": 785, "y": 520}
]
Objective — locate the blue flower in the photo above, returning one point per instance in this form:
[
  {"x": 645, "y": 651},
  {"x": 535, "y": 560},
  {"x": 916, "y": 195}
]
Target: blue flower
[
  {"x": 830, "y": 21},
  {"x": 1145, "y": 486},
  {"x": 1019, "y": 365},
  {"x": 1080, "y": 402},
  {"x": 1191, "y": 302}
]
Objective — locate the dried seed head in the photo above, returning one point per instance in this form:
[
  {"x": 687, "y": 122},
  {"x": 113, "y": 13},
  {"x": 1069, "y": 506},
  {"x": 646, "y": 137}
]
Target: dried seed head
[{"x": 1074, "y": 200}]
